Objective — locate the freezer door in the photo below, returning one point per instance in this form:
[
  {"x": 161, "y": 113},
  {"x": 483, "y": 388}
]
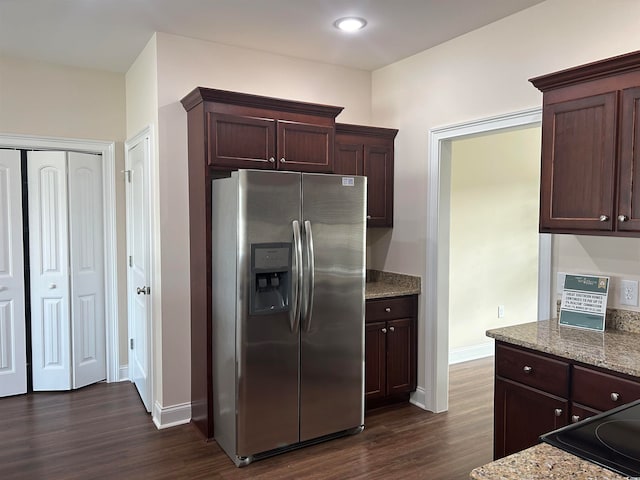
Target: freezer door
[
  {"x": 267, "y": 344},
  {"x": 332, "y": 348}
]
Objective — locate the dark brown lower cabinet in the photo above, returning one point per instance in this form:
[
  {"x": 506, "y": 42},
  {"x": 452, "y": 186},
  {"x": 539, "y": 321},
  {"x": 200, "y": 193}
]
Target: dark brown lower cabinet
[
  {"x": 526, "y": 413},
  {"x": 390, "y": 350},
  {"x": 536, "y": 393}
]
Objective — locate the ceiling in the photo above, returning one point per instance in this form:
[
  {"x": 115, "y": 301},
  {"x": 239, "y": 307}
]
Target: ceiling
[{"x": 109, "y": 34}]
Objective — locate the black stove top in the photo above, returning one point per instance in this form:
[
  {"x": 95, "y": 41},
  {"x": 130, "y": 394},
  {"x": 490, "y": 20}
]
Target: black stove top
[{"x": 611, "y": 439}]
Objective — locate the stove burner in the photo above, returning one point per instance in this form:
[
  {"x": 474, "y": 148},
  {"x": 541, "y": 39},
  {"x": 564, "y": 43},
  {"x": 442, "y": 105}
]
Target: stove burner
[
  {"x": 621, "y": 436},
  {"x": 610, "y": 439}
]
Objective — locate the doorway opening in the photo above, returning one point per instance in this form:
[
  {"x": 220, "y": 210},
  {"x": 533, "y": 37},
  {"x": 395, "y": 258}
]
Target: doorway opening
[{"x": 436, "y": 331}]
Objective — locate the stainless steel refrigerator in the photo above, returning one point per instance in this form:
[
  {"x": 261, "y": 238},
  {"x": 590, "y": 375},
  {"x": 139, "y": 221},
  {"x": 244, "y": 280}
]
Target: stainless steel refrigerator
[{"x": 288, "y": 268}]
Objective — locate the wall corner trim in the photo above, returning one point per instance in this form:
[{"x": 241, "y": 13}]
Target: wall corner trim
[{"x": 171, "y": 416}]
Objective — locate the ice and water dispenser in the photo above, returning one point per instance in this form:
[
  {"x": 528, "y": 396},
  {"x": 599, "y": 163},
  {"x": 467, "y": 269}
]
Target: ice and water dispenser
[{"x": 270, "y": 278}]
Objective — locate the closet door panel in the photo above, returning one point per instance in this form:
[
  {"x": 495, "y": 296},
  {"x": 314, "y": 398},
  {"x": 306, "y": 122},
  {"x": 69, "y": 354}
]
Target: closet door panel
[
  {"x": 13, "y": 362},
  {"x": 49, "y": 270},
  {"x": 87, "y": 268}
]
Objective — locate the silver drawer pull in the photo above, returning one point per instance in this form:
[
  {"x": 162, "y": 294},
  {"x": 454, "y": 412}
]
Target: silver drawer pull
[
  {"x": 604, "y": 218},
  {"x": 622, "y": 218},
  {"x": 615, "y": 396},
  {"x": 558, "y": 412},
  {"x": 527, "y": 369},
  {"x": 272, "y": 160},
  {"x": 388, "y": 310},
  {"x": 392, "y": 329},
  {"x": 282, "y": 160},
  {"x": 384, "y": 330},
  {"x": 575, "y": 418}
]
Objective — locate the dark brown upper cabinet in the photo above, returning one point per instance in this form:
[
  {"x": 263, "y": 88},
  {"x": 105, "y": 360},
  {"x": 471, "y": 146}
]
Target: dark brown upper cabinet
[
  {"x": 249, "y": 131},
  {"x": 590, "y": 180},
  {"x": 368, "y": 151}
]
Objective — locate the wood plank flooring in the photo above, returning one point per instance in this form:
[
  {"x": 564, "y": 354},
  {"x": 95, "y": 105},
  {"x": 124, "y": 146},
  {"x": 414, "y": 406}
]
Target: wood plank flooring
[{"x": 102, "y": 432}]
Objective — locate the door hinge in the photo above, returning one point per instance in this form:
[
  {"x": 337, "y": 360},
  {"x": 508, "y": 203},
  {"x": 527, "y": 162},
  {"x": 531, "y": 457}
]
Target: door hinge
[
  {"x": 130, "y": 261},
  {"x": 127, "y": 174},
  {"x": 131, "y": 343}
]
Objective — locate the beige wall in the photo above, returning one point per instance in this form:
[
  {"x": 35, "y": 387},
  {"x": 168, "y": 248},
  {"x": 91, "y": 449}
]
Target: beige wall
[
  {"x": 183, "y": 64},
  {"x": 42, "y": 99},
  {"x": 493, "y": 249},
  {"x": 475, "y": 76}
]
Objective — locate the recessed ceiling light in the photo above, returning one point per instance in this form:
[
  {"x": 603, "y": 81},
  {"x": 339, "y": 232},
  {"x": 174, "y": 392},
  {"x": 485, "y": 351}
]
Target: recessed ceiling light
[{"x": 350, "y": 24}]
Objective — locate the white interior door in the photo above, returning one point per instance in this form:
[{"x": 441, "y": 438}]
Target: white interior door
[
  {"x": 138, "y": 274},
  {"x": 49, "y": 270},
  {"x": 87, "y": 268},
  {"x": 13, "y": 360}
]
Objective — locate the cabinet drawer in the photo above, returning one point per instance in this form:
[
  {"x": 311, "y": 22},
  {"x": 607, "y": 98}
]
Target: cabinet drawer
[
  {"x": 534, "y": 370},
  {"x": 390, "y": 308},
  {"x": 602, "y": 391}
]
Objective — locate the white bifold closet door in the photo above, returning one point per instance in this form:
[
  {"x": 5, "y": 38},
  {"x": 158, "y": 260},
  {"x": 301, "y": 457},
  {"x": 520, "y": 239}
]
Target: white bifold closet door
[
  {"x": 66, "y": 257},
  {"x": 13, "y": 360}
]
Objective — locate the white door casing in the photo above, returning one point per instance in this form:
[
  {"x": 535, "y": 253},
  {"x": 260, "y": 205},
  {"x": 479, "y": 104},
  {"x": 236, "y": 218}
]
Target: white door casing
[
  {"x": 13, "y": 361},
  {"x": 138, "y": 272},
  {"x": 49, "y": 270},
  {"x": 87, "y": 268}
]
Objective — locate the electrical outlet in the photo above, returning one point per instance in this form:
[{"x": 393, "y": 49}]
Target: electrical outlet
[
  {"x": 629, "y": 293},
  {"x": 500, "y": 311}
]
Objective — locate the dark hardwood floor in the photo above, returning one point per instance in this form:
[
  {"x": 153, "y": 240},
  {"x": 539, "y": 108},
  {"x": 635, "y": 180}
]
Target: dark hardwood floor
[{"x": 102, "y": 432}]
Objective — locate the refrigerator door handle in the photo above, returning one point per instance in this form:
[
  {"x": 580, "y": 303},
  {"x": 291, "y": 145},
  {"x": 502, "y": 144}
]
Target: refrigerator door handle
[
  {"x": 308, "y": 236},
  {"x": 297, "y": 273}
]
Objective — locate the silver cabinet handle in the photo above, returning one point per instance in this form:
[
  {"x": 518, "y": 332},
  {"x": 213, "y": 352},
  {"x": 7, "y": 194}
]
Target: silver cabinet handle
[
  {"x": 388, "y": 309},
  {"x": 622, "y": 218},
  {"x": 558, "y": 412},
  {"x": 143, "y": 290},
  {"x": 615, "y": 396},
  {"x": 368, "y": 217},
  {"x": 282, "y": 160},
  {"x": 384, "y": 330},
  {"x": 527, "y": 369},
  {"x": 272, "y": 160},
  {"x": 392, "y": 329},
  {"x": 604, "y": 218},
  {"x": 575, "y": 418}
]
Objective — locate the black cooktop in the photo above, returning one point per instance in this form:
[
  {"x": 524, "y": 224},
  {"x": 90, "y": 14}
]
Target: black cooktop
[{"x": 610, "y": 439}]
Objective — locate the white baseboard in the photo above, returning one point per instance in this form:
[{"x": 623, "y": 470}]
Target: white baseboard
[
  {"x": 165, "y": 417},
  {"x": 124, "y": 373},
  {"x": 419, "y": 398},
  {"x": 474, "y": 352}
]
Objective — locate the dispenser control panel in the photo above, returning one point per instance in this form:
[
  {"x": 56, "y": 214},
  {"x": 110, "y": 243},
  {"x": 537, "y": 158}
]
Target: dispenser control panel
[{"x": 270, "y": 278}]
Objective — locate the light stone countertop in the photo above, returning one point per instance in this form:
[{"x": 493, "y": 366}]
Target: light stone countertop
[
  {"x": 614, "y": 350},
  {"x": 386, "y": 284},
  {"x": 542, "y": 461}
]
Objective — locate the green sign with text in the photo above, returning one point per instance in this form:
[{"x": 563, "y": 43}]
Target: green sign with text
[{"x": 584, "y": 301}]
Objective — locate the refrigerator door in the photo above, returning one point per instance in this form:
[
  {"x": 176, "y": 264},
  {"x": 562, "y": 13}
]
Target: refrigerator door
[
  {"x": 267, "y": 343},
  {"x": 332, "y": 345}
]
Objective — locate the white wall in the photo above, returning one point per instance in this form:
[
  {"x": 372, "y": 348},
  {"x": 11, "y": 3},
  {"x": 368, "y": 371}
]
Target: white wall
[
  {"x": 46, "y": 100},
  {"x": 493, "y": 249},
  {"x": 478, "y": 75},
  {"x": 183, "y": 64}
]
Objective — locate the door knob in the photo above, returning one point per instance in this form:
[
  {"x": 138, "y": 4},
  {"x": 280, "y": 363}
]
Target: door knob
[
  {"x": 527, "y": 369},
  {"x": 384, "y": 330},
  {"x": 558, "y": 412},
  {"x": 604, "y": 218},
  {"x": 392, "y": 329},
  {"x": 622, "y": 218},
  {"x": 575, "y": 418},
  {"x": 388, "y": 309},
  {"x": 615, "y": 396},
  {"x": 52, "y": 286},
  {"x": 143, "y": 290}
]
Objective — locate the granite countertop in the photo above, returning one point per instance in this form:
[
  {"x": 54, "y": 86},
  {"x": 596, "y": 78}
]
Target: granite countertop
[
  {"x": 614, "y": 350},
  {"x": 387, "y": 284},
  {"x": 542, "y": 461}
]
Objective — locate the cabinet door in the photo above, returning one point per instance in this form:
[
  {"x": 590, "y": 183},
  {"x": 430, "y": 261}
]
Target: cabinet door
[
  {"x": 401, "y": 376},
  {"x": 522, "y": 414},
  {"x": 375, "y": 358},
  {"x": 348, "y": 158},
  {"x": 303, "y": 147},
  {"x": 241, "y": 142},
  {"x": 578, "y": 170},
  {"x": 628, "y": 215},
  {"x": 378, "y": 168}
]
